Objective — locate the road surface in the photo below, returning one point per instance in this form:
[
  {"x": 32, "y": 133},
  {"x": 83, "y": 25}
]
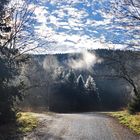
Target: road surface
[{"x": 82, "y": 126}]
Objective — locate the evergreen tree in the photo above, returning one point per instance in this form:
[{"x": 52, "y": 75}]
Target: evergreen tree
[
  {"x": 93, "y": 97},
  {"x": 59, "y": 74},
  {"x": 80, "y": 82},
  {"x": 71, "y": 77},
  {"x": 90, "y": 84},
  {"x": 11, "y": 87}
]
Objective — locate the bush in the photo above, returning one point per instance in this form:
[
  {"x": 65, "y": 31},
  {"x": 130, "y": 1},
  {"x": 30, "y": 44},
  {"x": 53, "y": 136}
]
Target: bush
[
  {"x": 134, "y": 105},
  {"x": 8, "y": 102}
]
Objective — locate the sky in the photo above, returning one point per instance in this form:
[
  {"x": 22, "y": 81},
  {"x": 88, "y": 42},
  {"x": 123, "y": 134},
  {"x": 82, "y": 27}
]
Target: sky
[{"x": 75, "y": 25}]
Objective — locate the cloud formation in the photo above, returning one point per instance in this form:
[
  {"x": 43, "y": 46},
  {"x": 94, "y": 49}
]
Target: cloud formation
[
  {"x": 73, "y": 25},
  {"x": 86, "y": 61}
]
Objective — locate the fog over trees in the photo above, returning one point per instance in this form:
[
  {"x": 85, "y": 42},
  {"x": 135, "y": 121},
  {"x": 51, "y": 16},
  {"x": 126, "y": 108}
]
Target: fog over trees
[{"x": 64, "y": 89}]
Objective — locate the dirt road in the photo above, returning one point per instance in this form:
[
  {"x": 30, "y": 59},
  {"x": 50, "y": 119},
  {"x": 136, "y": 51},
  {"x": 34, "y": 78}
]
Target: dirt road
[{"x": 82, "y": 126}]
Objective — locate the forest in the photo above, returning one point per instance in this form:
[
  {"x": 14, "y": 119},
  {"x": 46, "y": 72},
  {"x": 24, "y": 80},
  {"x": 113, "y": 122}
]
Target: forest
[
  {"x": 68, "y": 57},
  {"x": 60, "y": 85}
]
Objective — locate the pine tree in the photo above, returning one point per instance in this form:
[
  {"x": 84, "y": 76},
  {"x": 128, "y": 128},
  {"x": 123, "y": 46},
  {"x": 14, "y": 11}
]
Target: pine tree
[
  {"x": 90, "y": 84},
  {"x": 92, "y": 93},
  {"x": 70, "y": 77},
  {"x": 80, "y": 82}
]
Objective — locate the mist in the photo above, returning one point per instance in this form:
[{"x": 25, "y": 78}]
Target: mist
[
  {"x": 50, "y": 63},
  {"x": 57, "y": 93},
  {"x": 85, "y": 62}
]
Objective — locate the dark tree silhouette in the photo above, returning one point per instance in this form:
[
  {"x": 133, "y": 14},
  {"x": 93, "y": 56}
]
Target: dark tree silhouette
[
  {"x": 123, "y": 66},
  {"x": 12, "y": 56}
]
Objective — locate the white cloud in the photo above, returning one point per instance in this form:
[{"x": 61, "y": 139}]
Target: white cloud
[
  {"x": 53, "y": 19},
  {"x": 40, "y": 14},
  {"x": 69, "y": 27},
  {"x": 87, "y": 61}
]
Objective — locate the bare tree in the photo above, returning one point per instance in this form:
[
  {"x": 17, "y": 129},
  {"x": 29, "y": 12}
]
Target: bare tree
[
  {"x": 16, "y": 39},
  {"x": 127, "y": 15},
  {"x": 127, "y": 8},
  {"x": 124, "y": 65},
  {"x": 17, "y": 32}
]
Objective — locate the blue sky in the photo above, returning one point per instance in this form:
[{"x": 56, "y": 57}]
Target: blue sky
[{"x": 74, "y": 25}]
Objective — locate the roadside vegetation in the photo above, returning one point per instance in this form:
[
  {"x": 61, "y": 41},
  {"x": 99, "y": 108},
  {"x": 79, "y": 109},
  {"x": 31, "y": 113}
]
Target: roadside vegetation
[
  {"x": 125, "y": 118},
  {"x": 25, "y": 123}
]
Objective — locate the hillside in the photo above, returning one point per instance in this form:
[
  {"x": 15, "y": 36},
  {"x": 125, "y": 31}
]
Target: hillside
[{"x": 44, "y": 72}]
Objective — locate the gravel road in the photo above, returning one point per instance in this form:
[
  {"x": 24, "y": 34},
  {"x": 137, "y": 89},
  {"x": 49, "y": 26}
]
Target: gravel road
[{"x": 82, "y": 126}]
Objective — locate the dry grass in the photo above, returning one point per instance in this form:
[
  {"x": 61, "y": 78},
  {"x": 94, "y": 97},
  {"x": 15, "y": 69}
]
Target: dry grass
[
  {"x": 131, "y": 121},
  {"x": 27, "y": 122}
]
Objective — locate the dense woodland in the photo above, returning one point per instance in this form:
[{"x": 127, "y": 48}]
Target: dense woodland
[{"x": 58, "y": 87}]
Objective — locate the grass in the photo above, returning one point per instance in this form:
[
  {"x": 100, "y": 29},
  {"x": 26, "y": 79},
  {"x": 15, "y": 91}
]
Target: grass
[
  {"x": 131, "y": 121},
  {"x": 27, "y": 122}
]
